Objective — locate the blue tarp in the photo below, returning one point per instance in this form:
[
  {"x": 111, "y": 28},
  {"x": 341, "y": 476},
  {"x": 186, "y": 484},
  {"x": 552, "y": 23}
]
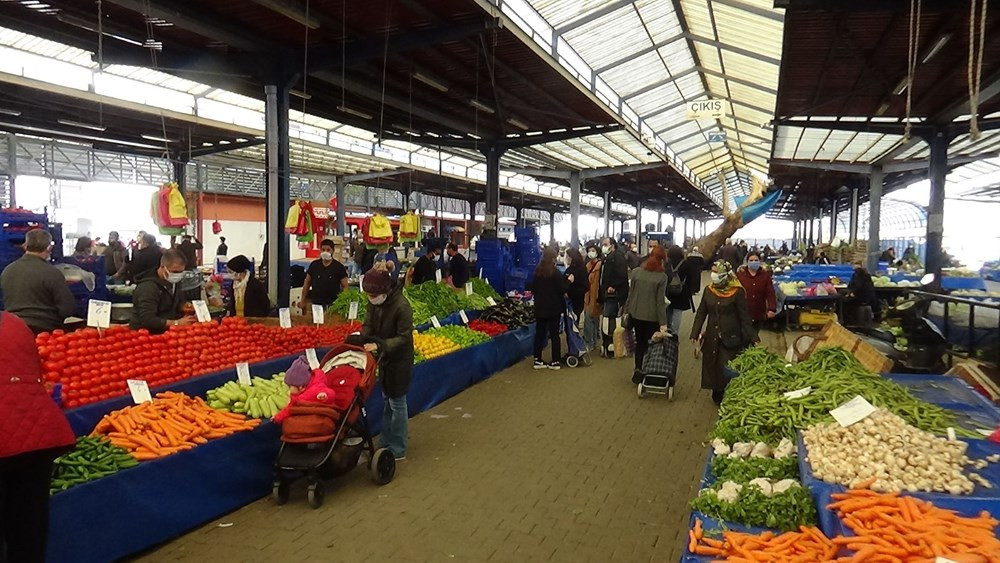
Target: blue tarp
[{"x": 160, "y": 499}]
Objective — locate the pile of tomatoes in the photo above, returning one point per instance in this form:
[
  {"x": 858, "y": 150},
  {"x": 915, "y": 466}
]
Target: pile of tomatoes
[
  {"x": 93, "y": 367},
  {"x": 488, "y": 327}
]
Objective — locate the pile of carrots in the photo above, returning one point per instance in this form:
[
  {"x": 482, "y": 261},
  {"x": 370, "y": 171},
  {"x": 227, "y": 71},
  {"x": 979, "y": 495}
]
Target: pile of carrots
[
  {"x": 170, "y": 423},
  {"x": 808, "y": 545},
  {"x": 887, "y": 528},
  {"x": 895, "y": 528}
]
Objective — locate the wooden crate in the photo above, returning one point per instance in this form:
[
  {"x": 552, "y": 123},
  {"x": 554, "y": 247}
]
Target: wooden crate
[{"x": 834, "y": 334}]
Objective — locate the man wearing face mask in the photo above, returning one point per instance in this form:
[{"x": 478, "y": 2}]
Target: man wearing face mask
[
  {"x": 458, "y": 267},
  {"x": 249, "y": 294},
  {"x": 389, "y": 321},
  {"x": 157, "y": 303},
  {"x": 613, "y": 291},
  {"x": 425, "y": 266},
  {"x": 33, "y": 289},
  {"x": 756, "y": 281},
  {"x": 325, "y": 278}
]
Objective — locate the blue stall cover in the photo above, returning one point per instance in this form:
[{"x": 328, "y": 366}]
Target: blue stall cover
[{"x": 160, "y": 499}]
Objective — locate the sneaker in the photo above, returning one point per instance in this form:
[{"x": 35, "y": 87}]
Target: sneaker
[
  {"x": 555, "y": 365},
  {"x": 540, "y": 364},
  {"x": 670, "y": 393}
]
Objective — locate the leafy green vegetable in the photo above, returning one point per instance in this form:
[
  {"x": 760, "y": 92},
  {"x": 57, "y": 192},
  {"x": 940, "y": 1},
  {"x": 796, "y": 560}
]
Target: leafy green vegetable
[
  {"x": 439, "y": 300},
  {"x": 342, "y": 305},
  {"x": 783, "y": 511},
  {"x": 483, "y": 289},
  {"x": 743, "y": 470}
]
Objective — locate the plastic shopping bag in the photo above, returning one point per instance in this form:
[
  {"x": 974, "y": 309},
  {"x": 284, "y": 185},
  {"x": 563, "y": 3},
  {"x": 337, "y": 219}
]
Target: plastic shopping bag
[{"x": 621, "y": 351}]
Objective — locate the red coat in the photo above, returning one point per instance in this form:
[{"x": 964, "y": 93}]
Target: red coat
[
  {"x": 760, "y": 292},
  {"x": 29, "y": 418}
]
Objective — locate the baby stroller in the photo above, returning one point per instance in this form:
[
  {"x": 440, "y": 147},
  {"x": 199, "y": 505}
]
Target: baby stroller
[
  {"x": 319, "y": 442},
  {"x": 659, "y": 366},
  {"x": 577, "y": 352}
]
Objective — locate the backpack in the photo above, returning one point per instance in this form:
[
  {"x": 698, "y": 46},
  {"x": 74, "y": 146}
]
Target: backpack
[{"x": 675, "y": 284}]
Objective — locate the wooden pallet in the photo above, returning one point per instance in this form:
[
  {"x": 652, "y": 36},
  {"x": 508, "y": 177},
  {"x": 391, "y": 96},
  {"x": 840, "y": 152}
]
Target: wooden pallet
[{"x": 834, "y": 334}]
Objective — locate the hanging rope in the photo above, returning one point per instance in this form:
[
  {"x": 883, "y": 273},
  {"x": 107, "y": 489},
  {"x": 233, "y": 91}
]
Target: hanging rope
[
  {"x": 914, "y": 45},
  {"x": 385, "y": 66},
  {"x": 975, "y": 73}
]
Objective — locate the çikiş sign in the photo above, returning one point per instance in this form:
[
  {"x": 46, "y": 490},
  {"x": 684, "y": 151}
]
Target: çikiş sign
[{"x": 706, "y": 109}]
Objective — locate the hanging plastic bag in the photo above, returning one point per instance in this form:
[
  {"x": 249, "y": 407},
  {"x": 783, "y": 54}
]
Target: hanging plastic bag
[
  {"x": 621, "y": 350},
  {"x": 292, "y": 221},
  {"x": 76, "y": 274},
  {"x": 216, "y": 227},
  {"x": 177, "y": 206}
]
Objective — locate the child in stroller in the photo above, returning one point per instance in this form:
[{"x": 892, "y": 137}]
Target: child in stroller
[{"x": 324, "y": 429}]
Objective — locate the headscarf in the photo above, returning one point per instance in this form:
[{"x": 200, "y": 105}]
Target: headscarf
[{"x": 728, "y": 281}]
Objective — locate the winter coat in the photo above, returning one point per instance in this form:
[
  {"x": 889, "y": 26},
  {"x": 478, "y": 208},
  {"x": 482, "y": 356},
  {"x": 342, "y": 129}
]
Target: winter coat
[
  {"x": 36, "y": 291},
  {"x": 392, "y": 321},
  {"x": 645, "y": 296},
  {"x": 614, "y": 273},
  {"x": 760, "y": 292},
  {"x": 591, "y": 301},
  {"x": 116, "y": 260},
  {"x": 579, "y": 287},
  {"x": 155, "y": 302},
  {"x": 550, "y": 295},
  {"x": 29, "y": 419},
  {"x": 689, "y": 271},
  {"x": 256, "y": 302},
  {"x": 727, "y": 318},
  {"x": 730, "y": 253}
]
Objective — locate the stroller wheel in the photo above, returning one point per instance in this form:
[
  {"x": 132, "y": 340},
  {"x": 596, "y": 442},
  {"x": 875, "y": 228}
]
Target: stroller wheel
[
  {"x": 641, "y": 391},
  {"x": 279, "y": 491},
  {"x": 383, "y": 466},
  {"x": 572, "y": 361},
  {"x": 315, "y": 494}
]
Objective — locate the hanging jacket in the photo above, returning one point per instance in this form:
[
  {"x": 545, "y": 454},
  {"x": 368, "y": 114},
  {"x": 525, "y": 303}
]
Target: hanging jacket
[
  {"x": 591, "y": 302},
  {"x": 29, "y": 419},
  {"x": 177, "y": 206},
  {"x": 292, "y": 220}
]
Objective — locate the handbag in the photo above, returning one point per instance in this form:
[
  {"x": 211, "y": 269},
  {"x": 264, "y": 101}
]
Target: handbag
[{"x": 731, "y": 340}]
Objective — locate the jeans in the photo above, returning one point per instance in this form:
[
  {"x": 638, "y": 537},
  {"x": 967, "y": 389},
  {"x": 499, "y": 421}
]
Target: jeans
[
  {"x": 394, "y": 426},
  {"x": 547, "y": 328},
  {"x": 611, "y": 317},
  {"x": 643, "y": 332},
  {"x": 674, "y": 320},
  {"x": 591, "y": 331}
]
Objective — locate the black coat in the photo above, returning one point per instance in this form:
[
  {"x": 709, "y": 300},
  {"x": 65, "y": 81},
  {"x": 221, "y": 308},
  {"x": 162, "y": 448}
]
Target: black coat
[
  {"x": 614, "y": 273},
  {"x": 256, "y": 303},
  {"x": 423, "y": 270},
  {"x": 689, "y": 271},
  {"x": 550, "y": 295},
  {"x": 578, "y": 288},
  {"x": 145, "y": 262},
  {"x": 458, "y": 267},
  {"x": 154, "y": 302},
  {"x": 392, "y": 322}
]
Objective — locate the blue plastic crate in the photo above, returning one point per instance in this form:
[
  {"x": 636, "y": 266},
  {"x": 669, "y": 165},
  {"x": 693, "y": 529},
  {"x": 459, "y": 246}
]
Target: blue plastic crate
[
  {"x": 714, "y": 528},
  {"x": 945, "y": 390}
]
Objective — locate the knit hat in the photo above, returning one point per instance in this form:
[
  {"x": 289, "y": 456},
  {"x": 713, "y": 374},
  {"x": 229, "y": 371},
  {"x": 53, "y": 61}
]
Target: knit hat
[
  {"x": 238, "y": 264},
  {"x": 377, "y": 282},
  {"x": 298, "y": 374}
]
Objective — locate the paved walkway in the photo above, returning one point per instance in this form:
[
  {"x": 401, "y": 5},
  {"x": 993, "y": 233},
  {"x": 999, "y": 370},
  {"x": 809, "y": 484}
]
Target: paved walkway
[{"x": 526, "y": 466}]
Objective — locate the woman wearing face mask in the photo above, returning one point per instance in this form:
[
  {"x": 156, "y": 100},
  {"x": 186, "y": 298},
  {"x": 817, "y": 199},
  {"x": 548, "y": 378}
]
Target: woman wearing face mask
[
  {"x": 325, "y": 278},
  {"x": 756, "y": 281},
  {"x": 728, "y": 330},
  {"x": 249, "y": 294},
  {"x": 578, "y": 287},
  {"x": 390, "y": 322},
  {"x": 156, "y": 302},
  {"x": 592, "y": 308}
]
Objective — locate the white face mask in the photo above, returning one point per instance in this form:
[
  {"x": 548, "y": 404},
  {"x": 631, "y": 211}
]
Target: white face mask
[
  {"x": 592, "y": 254},
  {"x": 240, "y": 280},
  {"x": 377, "y": 300},
  {"x": 326, "y": 256},
  {"x": 175, "y": 277},
  {"x": 716, "y": 278},
  {"x": 606, "y": 250}
]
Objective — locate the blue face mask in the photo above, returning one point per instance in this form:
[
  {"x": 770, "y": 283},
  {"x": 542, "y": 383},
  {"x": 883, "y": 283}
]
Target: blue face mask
[{"x": 753, "y": 265}]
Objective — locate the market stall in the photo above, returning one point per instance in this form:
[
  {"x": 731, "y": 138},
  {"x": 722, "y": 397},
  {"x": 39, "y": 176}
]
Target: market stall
[{"x": 805, "y": 454}]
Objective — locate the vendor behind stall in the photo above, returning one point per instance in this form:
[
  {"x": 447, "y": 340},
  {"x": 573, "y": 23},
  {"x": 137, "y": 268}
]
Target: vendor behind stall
[
  {"x": 33, "y": 289},
  {"x": 249, "y": 294},
  {"x": 424, "y": 268},
  {"x": 325, "y": 278},
  {"x": 458, "y": 266},
  {"x": 156, "y": 303}
]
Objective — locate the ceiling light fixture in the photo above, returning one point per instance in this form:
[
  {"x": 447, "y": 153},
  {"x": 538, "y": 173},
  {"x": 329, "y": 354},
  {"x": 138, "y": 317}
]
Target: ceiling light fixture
[
  {"x": 354, "y": 112},
  {"x": 300, "y": 94},
  {"x": 900, "y": 88},
  {"x": 13, "y": 112},
  {"x": 882, "y": 108},
  {"x": 941, "y": 42},
  {"x": 80, "y": 124},
  {"x": 481, "y": 106},
  {"x": 406, "y": 129},
  {"x": 518, "y": 123},
  {"x": 155, "y": 138},
  {"x": 432, "y": 82}
]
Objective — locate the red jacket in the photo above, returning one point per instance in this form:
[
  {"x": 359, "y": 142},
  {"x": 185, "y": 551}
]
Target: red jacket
[
  {"x": 760, "y": 292},
  {"x": 29, "y": 418}
]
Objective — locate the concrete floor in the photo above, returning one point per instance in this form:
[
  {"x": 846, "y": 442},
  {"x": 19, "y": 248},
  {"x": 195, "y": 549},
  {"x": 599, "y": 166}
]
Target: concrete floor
[{"x": 526, "y": 466}]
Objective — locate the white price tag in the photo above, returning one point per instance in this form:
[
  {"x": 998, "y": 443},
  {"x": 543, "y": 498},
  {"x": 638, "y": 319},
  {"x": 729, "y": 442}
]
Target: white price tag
[
  {"x": 243, "y": 373},
  {"x": 361, "y": 282},
  {"x": 468, "y": 288},
  {"x": 465, "y": 318},
  {"x": 985, "y": 432},
  {"x": 352, "y": 313},
  {"x": 139, "y": 390},
  {"x": 486, "y": 280},
  {"x": 99, "y": 313},
  {"x": 435, "y": 322},
  {"x": 437, "y": 275},
  {"x": 491, "y": 301},
  {"x": 201, "y": 311},
  {"x": 318, "y": 314},
  {"x": 798, "y": 393},
  {"x": 285, "y": 317},
  {"x": 311, "y": 357},
  {"x": 940, "y": 559},
  {"x": 480, "y": 272},
  {"x": 951, "y": 434},
  {"x": 855, "y": 410}
]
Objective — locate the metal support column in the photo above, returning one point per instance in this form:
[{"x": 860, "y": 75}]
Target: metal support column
[
  {"x": 935, "y": 208},
  {"x": 12, "y": 168},
  {"x": 854, "y": 216},
  {"x": 574, "y": 208},
  {"x": 492, "y": 152},
  {"x": 874, "y": 216},
  {"x": 638, "y": 225},
  {"x": 659, "y": 221},
  {"x": 278, "y": 193},
  {"x": 519, "y": 216},
  {"x": 833, "y": 219},
  {"x": 341, "y": 207},
  {"x": 552, "y": 226},
  {"x": 812, "y": 225},
  {"x": 607, "y": 214}
]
